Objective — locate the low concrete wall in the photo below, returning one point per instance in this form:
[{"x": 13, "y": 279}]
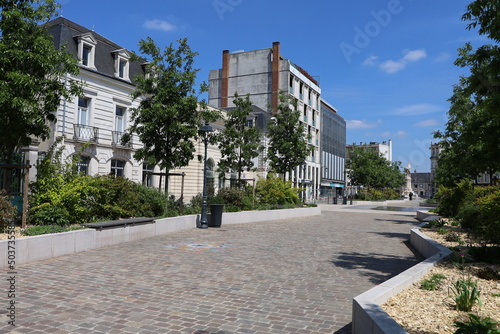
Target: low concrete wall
[
  {"x": 46, "y": 246},
  {"x": 367, "y": 315}
]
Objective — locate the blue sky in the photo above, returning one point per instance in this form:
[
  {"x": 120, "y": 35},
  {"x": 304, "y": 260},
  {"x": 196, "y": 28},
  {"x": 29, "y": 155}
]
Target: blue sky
[{"x": 386, "y": 65}]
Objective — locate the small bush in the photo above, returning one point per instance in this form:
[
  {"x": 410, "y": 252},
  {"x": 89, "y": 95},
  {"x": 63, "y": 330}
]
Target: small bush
[
  {"x": 450, "y": 199},
  {"x": 49, "y": 214},
  {"x": 452, "y": 237},
  {"x": 46, "y": 229},
  {"x": 466, "y": 294},
  {"x": 488, "y": 273},
  {"x": 477, "y": 325},
  {"x": 274, "y": 190},
  {"x": 432, "y": 283},
  {"x": 7, "y": 211}
]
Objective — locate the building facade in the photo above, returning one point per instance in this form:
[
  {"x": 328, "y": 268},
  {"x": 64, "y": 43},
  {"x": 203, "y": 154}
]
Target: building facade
[
  {"x": 384, "y": 148},
  {"x": 333, "y": 151},
  {"x": 421, "y": 184},
  {"x": 94, "y": 123},
  {"x": 263, "y": 74}
]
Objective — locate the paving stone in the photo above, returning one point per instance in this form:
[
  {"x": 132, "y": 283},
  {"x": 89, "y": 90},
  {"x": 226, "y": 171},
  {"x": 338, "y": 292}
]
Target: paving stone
[{"x": 290, "y": 276}]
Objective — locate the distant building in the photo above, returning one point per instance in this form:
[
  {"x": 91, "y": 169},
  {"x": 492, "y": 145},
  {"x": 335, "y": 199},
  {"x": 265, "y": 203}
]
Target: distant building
[
  {"x": 333, "y": 151},
  {"x": 421, "y": 184},
  {"x": 384, "y": 148},
  {"x": 263, "y": 74}
]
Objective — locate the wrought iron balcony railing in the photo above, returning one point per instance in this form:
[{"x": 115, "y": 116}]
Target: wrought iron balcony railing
[{"x": 86, "y": 133}]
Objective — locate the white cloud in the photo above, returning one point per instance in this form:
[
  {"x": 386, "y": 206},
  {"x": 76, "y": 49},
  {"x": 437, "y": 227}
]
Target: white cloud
[
  {"x": 442, "y": 57},
  {"x": 417, "y": 109},
  {"x": 427, "y": 123},
  {"x": 414, "y": 55},
  {"x": 159, "y": 25},
  {"x": 410, "y": 56},
  {"x": 388, "y": 134},
  {"x": 370, "y": 61},
  {"x": 391, "y": 66},
  {"x": 361, "y": 124}
]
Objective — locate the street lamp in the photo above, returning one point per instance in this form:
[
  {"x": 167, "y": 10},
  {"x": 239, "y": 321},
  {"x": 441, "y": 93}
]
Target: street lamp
[{"x": 205, "y": 130}]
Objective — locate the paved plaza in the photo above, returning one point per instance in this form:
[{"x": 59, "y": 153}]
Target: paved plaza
[{"x": 288, "y": 276}]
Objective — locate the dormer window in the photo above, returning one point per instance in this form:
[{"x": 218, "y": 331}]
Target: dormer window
[
  {"x": 86, "y": 49},
  {"x": 122, "y": 64}
]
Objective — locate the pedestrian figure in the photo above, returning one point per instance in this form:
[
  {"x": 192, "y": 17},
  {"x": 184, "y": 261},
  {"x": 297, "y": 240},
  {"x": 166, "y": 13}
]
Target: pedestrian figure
[{"x": 411, "y": 195}]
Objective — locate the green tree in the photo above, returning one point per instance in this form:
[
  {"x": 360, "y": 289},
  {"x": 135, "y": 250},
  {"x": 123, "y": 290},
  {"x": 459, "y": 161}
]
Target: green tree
[
  {"x": 239, "y": 144},
  {"x": 288, "y": 141},
  {"x": 32, "y": 74},
  {"x": 369, "y": 168},
  {"x": 167, "y": 119},
  {"x": 470, "y": 141}
]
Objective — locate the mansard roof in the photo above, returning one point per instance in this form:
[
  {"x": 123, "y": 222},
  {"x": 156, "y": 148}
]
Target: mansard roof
[{"x": 67, "y": 33}]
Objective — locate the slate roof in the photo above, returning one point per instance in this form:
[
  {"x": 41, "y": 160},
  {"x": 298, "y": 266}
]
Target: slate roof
[
  {"x": 420, "y": 177},
  {"x": 65, "y": 33}
]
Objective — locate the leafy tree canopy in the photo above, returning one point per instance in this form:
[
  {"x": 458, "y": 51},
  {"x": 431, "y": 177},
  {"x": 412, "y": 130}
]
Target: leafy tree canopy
[
  {"x": 168, "y": 118},
  {"x": 32, "y": 74},
  {"x": 369, "y": 168},
  {"x": 470, "y": 141},
  {"x": 288, "y": 141},
  {"x": 239, "y": 143}
]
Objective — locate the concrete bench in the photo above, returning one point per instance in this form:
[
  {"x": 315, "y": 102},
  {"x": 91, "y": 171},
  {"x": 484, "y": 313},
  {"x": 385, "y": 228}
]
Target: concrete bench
[{"x": 120, "y": 223}]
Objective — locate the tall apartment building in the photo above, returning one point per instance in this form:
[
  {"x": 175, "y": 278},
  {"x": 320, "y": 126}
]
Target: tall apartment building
[
  {"x": 94, "y": 123},
  {"x": 384, "y": 148},
  {"x": 333, "y": 151},
  {"x": 263, "y": 74}
]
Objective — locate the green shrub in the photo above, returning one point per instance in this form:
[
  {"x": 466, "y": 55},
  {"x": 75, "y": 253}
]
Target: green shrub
[
  {"x": 451, "y": 199},
  {"x": 465, "y": 294},
  {"x": 46, "y": 229},
  {"x": 477, "y": 325},
  {"x": 274, "y": 190},
  {"x": 7, "y": 211},
  {"x": 485, "y": 254},
  {"x": 50, "y": 214},
  {"x": 432, "y": 283},
  {"x": 452, "y": 237},
  {"x": 229, "y": 197}
]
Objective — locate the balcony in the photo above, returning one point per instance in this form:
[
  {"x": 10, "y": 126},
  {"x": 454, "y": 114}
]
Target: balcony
[
  {"x": 86, "y": 133},
  {"x": 116, "y": 139}
]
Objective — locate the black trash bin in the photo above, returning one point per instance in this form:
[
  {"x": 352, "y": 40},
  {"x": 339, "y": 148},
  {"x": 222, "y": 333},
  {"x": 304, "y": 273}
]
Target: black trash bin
[
  {"x": 344, "y": 200},
  {"x": 215, "y": 215},
  {"x": 335, "y": 200}
]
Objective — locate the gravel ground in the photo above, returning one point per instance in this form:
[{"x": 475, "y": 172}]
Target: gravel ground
[{"x": 422, "y": 311}]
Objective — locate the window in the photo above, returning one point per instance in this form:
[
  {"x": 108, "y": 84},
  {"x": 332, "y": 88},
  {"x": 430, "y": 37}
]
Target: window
[
  {"x": 121, "y": 64},
  {"x": 86, "y": 49},
  {"x": 83, "y": 111},
  {"x": 82, "y": 166},
  {"x": 117, "y": 167},
  {"x": 147, "y": 177},
  {"x": 119, "y": 122}
]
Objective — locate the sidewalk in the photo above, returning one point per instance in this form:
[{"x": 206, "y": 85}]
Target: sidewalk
[{"x": 293, "y": 276}]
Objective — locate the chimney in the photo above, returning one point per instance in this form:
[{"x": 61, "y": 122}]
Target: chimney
[
  {"x": 225, "y": 78},
  {"x": 275, "y": 76}
]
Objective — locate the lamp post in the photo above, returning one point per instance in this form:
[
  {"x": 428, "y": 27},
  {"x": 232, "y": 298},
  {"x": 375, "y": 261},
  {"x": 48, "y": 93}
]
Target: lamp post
[{"x": 205, "y": 130}]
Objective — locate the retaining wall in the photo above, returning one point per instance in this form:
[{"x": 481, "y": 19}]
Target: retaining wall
[
  {"x": 368, "y": 317},
  {"x": 46, "y": 246}
]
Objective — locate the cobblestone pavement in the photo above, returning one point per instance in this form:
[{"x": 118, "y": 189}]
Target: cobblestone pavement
[{"x": 289, "y": 276}]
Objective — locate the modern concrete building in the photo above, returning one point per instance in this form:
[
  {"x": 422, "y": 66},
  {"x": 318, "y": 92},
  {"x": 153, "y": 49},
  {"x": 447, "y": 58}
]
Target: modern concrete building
[
  {"x": 263, "y": 74},
  {"x": 384, "y": 148},
  {"x": 333, "y": 151}
]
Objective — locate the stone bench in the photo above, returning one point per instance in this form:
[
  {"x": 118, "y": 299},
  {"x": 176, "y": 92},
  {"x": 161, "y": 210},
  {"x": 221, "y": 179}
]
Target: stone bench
[{"x": 120, "y": 223}]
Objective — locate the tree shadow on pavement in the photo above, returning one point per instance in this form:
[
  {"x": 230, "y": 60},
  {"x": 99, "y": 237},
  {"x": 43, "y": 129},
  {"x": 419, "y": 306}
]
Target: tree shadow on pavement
[{"x": 377, "y": 267}]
